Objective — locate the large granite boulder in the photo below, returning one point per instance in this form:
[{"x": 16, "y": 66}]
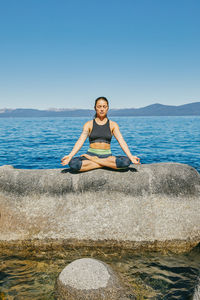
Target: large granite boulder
[
  {"x": 90, "y": 279},
  {"x": 156, "y": 206}
]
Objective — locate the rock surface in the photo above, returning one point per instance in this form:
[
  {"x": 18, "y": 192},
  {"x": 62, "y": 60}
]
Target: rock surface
[
  {"x": 90, "y": 279},
  {"x": 157, "y": 203},
  {"x": 196, "y": 295}
]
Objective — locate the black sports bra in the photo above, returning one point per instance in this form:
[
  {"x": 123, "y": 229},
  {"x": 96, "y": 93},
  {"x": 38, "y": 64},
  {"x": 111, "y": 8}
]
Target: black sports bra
[{"x": 100, "y": 133}]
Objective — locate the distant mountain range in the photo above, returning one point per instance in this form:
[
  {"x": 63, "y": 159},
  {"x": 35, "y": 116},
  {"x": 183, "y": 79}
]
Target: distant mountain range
[{"x": 191, "y": 109}]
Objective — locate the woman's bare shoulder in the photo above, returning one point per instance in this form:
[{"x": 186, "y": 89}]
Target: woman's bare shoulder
[
  {"x": 113, "y": 124},
  {"x": 88, "y": 124}
]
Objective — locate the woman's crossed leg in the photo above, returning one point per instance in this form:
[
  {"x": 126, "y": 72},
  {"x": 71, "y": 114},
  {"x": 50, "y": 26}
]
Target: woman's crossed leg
[{"x": 87, "y": 162}]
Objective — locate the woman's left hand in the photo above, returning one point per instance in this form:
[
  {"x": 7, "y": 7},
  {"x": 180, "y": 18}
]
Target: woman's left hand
[{"x": 135, "y": 160}]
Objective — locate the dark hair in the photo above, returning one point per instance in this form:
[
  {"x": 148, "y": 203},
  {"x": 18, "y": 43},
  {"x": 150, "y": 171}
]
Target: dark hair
[{"x": 100, "y": 98}]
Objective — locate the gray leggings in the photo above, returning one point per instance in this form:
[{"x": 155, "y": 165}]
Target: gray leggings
[{"x": 76, "y": 162}]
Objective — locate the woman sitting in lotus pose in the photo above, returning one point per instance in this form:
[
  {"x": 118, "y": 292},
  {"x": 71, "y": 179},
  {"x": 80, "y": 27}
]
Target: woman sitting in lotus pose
[{"x": 100, "y": 131}]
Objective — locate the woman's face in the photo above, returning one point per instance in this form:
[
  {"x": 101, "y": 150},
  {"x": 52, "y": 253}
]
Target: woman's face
[{"x": 101, "y": 108}]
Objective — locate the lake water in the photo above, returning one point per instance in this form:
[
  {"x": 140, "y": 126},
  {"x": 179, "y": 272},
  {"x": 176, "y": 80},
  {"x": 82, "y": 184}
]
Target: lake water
[
  {"x": 154, "y": 276},
  {"x": 39, "y": 143}
]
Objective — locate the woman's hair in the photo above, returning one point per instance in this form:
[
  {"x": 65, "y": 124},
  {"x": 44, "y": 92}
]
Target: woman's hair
[{"x": 100, "y": 98}]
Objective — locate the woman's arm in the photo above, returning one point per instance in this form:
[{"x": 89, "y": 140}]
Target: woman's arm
[
  {"x": 123, "y": 144},
  {"x": 66, "y": 159}
]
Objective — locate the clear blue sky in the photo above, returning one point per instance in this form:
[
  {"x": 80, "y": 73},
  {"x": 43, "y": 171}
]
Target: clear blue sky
[{"x": 66, "y": 53}]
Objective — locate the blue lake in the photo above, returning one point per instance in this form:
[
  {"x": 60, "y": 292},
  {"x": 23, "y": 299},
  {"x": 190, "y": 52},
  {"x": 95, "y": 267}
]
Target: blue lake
[{"x": 40, "y": 143}]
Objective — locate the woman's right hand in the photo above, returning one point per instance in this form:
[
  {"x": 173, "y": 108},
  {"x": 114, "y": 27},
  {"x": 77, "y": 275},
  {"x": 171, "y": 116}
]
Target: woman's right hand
[{"x": 65, "y": 160}]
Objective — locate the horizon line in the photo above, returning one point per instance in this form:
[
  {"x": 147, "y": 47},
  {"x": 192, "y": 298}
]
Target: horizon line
[{"x": 60, "y": 109}]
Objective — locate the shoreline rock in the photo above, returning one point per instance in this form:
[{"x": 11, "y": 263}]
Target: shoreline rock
[
  {"x": 196, "y": 295},
  {"x": 154, "y": 206}
]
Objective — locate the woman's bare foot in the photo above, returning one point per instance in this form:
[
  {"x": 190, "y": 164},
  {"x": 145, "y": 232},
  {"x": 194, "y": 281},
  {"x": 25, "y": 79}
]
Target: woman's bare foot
[
  {"x": 104, "y": 162},
  {"x": 86, "y": 155},
  {"x": 92, "y": 158}
]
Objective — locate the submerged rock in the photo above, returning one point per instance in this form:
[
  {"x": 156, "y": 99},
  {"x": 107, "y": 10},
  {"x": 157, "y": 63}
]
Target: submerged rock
[
  {"x": 90, "y": 279},
  {"x": 196, "y": 295},
  {"x": 151, "y": 206}
]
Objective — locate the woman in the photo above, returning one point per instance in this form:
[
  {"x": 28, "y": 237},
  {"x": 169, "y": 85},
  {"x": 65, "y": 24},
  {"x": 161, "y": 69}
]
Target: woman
[{"x": 100, "y": 131}]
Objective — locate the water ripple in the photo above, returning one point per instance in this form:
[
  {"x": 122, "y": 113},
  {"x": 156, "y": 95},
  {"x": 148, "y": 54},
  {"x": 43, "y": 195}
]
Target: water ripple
[
  {"x": 152, "y": 275},
  {"x": 41, "y": 142}
]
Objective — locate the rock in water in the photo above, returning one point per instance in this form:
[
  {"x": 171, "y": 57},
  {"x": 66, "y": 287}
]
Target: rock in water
[
  {"x": 196, "y": 295},
  {"x": 90, "y": 279}
]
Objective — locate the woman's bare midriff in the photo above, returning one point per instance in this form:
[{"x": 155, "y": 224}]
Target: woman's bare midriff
[{"x": 100, "y": 146}]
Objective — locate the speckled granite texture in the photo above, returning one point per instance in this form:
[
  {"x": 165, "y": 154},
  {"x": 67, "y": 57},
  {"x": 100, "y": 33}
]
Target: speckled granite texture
[
  {"x": 156, "y": 203},
  {"x": 91, "y": 279}
]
